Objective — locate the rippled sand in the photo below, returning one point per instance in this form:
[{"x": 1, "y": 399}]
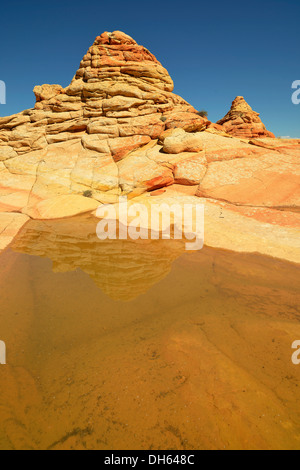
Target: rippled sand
[{"x": 124, "y": 345}]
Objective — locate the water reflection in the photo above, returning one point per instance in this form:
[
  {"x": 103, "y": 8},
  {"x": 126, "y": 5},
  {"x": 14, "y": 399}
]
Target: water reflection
[
  {"x": 123, "y": 269},
  {"x": 198, "y": 356}
]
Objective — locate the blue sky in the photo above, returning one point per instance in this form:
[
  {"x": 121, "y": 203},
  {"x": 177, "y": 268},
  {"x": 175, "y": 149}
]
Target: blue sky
[{"x": 214, "y": 51}]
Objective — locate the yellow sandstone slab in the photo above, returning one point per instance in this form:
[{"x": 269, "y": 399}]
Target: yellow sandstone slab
[
  {"x": 62, "y": 206},
  {"x": 10, "y": 225}
]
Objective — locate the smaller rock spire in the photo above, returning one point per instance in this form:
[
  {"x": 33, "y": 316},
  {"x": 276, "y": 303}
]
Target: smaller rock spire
[{"x": 242, "y": 121}]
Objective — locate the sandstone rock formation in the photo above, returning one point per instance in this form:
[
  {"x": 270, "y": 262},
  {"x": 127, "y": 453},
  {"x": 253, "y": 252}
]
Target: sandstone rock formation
[
  {"x": 241, "y": 121},
  {"x": 118, "y": 129},
  {"x": 81, "y": 138}
]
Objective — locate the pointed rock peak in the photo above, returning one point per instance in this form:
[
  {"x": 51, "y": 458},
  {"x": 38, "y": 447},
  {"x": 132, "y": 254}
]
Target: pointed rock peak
[
  {"x": 240, "y": 104},
  {"x": 117, "y": 56},
  {"x": 118, "y": 81},
  {"x": 114, "y": 39},
  {"x": 241, "y": 121},
  {"x": 120, "y": 100}
]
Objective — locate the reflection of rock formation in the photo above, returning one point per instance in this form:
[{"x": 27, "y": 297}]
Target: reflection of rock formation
[
  {"x": 123, "y": 269},
  {"x": 85, "y": 372}
]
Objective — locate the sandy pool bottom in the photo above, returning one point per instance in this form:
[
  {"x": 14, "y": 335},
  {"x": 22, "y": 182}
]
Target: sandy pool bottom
[{"x": 123, "y": 345}]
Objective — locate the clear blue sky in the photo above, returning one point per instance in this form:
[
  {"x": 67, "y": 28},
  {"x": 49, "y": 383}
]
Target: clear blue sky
[{"x": 214, "y": 51}]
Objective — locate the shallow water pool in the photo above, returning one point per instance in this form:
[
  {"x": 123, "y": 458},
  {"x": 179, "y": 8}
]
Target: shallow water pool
[{"x": 140, "y": 345}]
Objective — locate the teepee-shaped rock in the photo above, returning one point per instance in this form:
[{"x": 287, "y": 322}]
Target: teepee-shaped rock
[
  {"x": 75, "y": 138},
  {"x": 242, "y": 121}
]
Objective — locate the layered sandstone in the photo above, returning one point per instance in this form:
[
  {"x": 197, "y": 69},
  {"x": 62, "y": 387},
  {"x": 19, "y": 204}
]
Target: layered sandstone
[
  {"x": 118, "y": 129},
  {"x": 79, "y": 138},
  {"x": 241, "y": 121}
]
